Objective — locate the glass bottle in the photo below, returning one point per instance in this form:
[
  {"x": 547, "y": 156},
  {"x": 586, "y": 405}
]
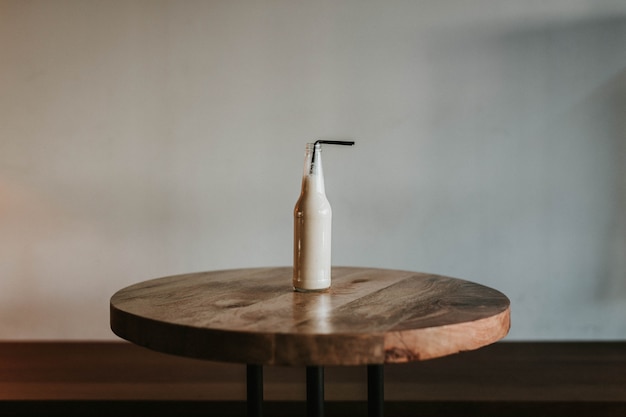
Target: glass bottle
[{"x": 312, "y": 227}]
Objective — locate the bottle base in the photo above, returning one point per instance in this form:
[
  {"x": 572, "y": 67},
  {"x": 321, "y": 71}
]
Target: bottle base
[{"x": 296, "y": 289}]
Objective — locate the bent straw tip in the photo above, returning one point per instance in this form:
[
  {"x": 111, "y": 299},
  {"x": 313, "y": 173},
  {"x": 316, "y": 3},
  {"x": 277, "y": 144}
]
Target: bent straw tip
[{"x": 335, "y": 142}]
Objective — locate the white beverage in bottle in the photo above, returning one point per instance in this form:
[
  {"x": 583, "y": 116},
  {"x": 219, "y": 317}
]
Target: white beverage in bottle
[
  {"x": 312, "y": 224},
  {"x": 312, "y": 227}
]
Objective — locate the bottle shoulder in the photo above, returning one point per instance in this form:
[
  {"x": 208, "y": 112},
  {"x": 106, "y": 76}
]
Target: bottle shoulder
[{"x": 313, "y": 203}]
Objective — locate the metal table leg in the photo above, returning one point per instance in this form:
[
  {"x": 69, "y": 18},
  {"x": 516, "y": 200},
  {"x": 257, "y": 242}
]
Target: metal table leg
[
  {"x": 254, "y": 387},
  {"x": 375, "y": 391},
  {"x": 315, "y": 391}
]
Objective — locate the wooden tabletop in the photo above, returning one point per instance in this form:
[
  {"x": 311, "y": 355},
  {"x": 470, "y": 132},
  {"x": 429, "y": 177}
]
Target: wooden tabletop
[{"x": 369, "y": 316}]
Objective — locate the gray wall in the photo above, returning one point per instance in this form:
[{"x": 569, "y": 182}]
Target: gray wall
[{"x": 146, "y": 138}]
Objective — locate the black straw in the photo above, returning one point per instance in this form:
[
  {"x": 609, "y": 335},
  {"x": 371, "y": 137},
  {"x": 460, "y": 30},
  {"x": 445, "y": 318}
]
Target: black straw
[
  {"x": 329, "y": 142},
  {"x": 335, "y": 142}
]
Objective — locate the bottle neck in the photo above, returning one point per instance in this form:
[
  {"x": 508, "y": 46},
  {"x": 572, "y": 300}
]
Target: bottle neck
[{"x": 313, "y": 176}]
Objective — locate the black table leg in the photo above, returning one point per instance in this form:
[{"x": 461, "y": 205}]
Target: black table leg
[
  {"x": 254, "y": 386},
  {"x": 315, "y": 391},
  {"x": 375, "y": 391}
]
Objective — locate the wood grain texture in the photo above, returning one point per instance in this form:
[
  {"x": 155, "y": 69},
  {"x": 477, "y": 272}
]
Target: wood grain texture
[{"x": 253, "y": 316}]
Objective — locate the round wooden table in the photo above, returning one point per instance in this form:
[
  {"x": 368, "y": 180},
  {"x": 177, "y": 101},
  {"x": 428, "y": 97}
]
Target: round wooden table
[{"x": 368, "y": 317}]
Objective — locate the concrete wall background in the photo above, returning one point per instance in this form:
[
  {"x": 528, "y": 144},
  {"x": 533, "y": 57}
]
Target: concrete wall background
[{"x": 146, "y": 138}]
